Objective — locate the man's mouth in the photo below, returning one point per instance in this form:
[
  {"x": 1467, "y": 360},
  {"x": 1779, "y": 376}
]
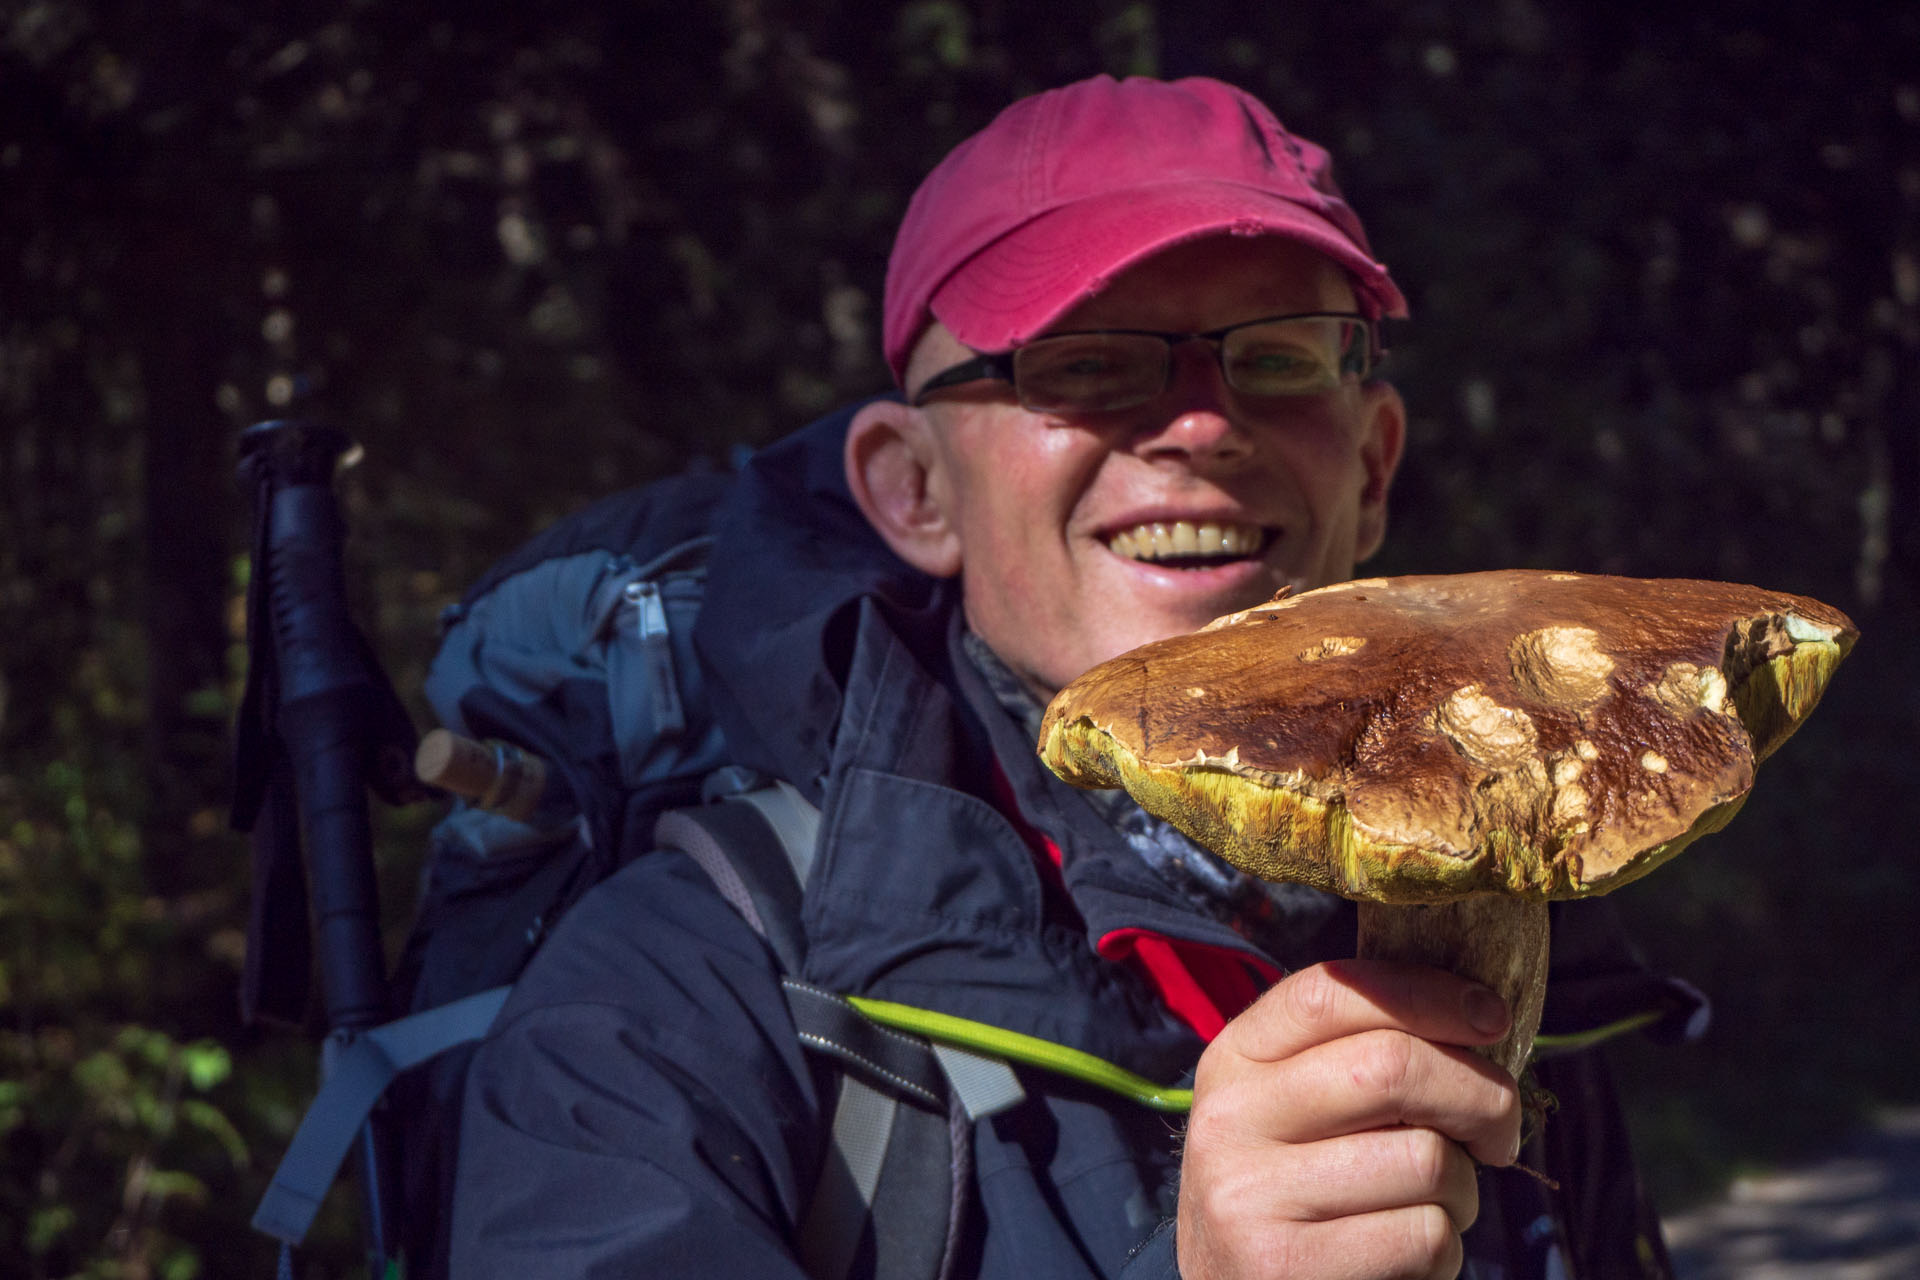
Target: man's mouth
[{"x": 1182, "y": 544}]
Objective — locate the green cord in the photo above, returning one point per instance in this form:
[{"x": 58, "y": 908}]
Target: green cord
[
  {"x": 1025, "y": 1049},
  {"x": 1573, "y": 1041},
  {"x": 1032, "y": 1051}
]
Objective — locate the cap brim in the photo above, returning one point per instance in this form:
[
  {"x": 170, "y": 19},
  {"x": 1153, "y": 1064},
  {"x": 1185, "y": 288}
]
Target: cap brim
[{"x": 1016, "y": 287}]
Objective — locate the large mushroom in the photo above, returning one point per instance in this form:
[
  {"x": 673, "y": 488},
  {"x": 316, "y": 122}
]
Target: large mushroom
[{"x": 1453, "y": 752}]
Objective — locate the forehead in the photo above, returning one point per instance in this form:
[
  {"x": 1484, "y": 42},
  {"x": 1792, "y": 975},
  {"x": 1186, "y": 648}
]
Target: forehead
[{"x": 1210, "y": 283}]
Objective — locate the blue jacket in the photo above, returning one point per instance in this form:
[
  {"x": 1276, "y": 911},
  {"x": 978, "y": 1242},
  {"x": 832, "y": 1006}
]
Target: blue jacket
[{"x": 643, "y": 1107}]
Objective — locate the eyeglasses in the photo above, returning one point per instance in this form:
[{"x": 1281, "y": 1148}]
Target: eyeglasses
[{"x": 1109, "y": 369}]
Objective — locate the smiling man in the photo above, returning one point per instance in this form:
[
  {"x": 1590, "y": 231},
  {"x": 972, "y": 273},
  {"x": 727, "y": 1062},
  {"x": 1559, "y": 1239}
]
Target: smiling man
[
  {"x": 1136, "y": 332},
  {"x": 1254, "y": 457}
]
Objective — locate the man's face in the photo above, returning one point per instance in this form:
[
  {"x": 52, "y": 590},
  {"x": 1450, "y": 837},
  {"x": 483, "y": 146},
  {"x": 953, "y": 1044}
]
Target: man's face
[{"x": 1053, "y": 514}]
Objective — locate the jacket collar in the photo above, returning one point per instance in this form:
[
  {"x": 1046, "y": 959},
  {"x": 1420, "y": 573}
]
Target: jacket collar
[{"x": 924, "y": 893}]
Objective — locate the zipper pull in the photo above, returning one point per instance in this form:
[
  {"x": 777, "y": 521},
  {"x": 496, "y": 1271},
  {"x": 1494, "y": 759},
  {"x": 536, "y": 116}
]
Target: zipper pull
[{"x": 656, "y": 648}]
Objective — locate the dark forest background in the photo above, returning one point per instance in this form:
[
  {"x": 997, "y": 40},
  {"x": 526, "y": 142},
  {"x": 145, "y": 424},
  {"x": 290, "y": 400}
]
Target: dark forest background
[{"x": 1665, "y": 267}]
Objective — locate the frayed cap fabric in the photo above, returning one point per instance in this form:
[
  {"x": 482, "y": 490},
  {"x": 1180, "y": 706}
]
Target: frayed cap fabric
[{"x": 1066, "y": 189}]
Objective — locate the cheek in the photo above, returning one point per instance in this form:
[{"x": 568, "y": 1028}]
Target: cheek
[
  {"x": 1022, "y": 581},
  {"x": 1017, "y": 487},
  {"x": 1323, "y": 454}
]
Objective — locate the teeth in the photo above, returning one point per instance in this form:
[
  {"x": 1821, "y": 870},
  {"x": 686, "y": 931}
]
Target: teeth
[{"x": 1160, "y": 541}]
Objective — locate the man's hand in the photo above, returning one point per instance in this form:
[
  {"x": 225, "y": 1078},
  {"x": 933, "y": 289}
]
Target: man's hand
[{"x": 1332, "y": 1128}]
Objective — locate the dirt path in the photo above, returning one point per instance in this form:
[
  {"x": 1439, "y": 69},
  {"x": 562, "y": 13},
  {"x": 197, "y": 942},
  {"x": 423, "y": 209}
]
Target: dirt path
[{"x": 1854, "y": 1216}]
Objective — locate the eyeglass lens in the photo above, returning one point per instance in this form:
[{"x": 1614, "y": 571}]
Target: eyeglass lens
[{"x": 1092, "y": 372}]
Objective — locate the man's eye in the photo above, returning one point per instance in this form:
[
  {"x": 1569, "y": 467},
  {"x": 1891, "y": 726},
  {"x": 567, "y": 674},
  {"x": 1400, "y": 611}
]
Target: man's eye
[
  {"x": 1085, "y": 367},
  {"x": 1080, "y": 363},
  {"x": 1278, "y": 362},
  {"x": 1278, "y": 371}
]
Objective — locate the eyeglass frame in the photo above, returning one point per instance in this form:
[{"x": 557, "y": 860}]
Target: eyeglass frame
[{"x": 999, "y": 366}]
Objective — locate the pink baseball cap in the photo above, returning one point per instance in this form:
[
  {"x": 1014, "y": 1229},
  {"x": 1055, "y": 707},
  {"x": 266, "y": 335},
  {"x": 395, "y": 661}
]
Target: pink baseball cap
[{"x": 1066, "y": 189}]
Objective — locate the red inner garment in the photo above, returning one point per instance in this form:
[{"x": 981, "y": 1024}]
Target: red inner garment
[{"x": 1203, "y": 985}]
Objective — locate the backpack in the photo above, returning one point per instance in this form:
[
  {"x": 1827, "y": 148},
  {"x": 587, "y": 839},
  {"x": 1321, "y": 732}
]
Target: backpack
[{"x": 577, "y": 649}]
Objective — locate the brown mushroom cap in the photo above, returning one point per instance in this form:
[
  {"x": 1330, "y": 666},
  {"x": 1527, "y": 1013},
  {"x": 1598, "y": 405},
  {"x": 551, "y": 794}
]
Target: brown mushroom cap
[{"x": 1420, "y": 739}]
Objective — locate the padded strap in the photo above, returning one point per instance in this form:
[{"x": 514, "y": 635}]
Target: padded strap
[
  {"x": 891, "y": 1191},
  {"x": 843, "y": 1195},
  {"x": 681, "y": 829},
  {"x": 984, "y": 1086},
  {"x": 918, "y": 1198},
  {"x": 745, "y": 856},
  {"x": 795, "y": 822},
  {"x": 358, "y": 1073}
]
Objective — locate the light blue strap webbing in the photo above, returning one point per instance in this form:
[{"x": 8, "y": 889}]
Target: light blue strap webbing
[{"x": 359, "y": 1073}]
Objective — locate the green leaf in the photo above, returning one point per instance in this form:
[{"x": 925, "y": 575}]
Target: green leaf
[
  {"x": 168, "y": 1184},
  {"x": 102, "y": 1074},
  {"x": 47, "y": 1225},
  {"x": 181, "y": 1264},
  {"x": 206, "y": 1064},
  {"x": 209, "y": 703},
  {"x": 209, "y": 1119}
]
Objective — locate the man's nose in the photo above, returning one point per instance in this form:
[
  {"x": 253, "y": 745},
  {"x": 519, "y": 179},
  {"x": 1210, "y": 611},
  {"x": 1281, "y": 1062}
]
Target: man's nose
[{"x": 1193, "y": 420}]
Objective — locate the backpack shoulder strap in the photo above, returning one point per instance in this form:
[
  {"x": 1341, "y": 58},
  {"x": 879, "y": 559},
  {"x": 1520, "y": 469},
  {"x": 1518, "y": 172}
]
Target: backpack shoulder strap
[
  {"x": 747, "y": 858},
  {"x": 893, "y": 1188}
]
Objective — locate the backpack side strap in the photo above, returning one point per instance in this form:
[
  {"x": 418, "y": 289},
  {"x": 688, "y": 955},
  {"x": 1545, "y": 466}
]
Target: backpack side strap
[{"x": 358, "y": 1071}]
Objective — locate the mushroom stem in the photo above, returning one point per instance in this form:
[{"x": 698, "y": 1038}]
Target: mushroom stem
[{"x": 1493, "y": 939}]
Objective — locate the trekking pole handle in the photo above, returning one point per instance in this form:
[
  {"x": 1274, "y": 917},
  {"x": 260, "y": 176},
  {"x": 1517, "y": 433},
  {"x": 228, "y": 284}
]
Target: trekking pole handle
[{"x": 325, "y": 700}]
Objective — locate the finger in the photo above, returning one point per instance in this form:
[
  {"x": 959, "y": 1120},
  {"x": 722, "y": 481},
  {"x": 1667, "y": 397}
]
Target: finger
[
  {"x": 1389, "y": 1077},
  {"x": 1376, "y": 1080},
  {"x": 1416, "y": 1242},
  {"x": 1345, "y": 997},
  {"x": 1344, "y": 1177},
  {"x": 1365, "y": 1173}
]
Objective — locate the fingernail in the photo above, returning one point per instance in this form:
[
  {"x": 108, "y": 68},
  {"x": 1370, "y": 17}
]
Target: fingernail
[{"x": 1486, "y": 1011}]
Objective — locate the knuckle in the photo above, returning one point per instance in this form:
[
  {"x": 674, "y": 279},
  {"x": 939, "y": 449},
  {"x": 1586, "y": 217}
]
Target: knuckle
[
  {"x": 1384, "y": 1064},
  {"x": 1222, "y": 1230},
  {"x": 1429, "y": 1156},
  {"x": 1312, "y": 995},
  {"x": 1212, "y": 1065},
  {"x": 1212, "y": 1203},
  {"x": 1208, "y": 1122},
  {"x": 1431, "y": 1240},
  {"x": 1218, "y": 1123}
]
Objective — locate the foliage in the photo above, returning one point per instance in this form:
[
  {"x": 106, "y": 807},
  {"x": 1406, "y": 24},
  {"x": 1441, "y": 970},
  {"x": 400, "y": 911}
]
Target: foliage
[
  {"x": 117, "y": 1133},
  {"x": 1666, "y": 280}
]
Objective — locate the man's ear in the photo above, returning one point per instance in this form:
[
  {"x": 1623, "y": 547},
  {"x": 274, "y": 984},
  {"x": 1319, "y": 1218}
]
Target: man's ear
[
  {"x": 894, "y": 468},
  {"x": 1383, "y": 435}
]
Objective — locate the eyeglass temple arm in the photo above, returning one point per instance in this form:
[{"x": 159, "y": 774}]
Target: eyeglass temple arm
[{"x": 980, "y": 368}]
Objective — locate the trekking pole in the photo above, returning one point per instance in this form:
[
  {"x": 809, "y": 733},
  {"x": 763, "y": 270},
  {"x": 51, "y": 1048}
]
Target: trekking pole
[{"x": 319, "y": 725}]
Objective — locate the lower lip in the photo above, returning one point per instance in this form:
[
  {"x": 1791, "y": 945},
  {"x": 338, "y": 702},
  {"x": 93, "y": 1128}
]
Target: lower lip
[{"x": 1229, "y": 575}]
